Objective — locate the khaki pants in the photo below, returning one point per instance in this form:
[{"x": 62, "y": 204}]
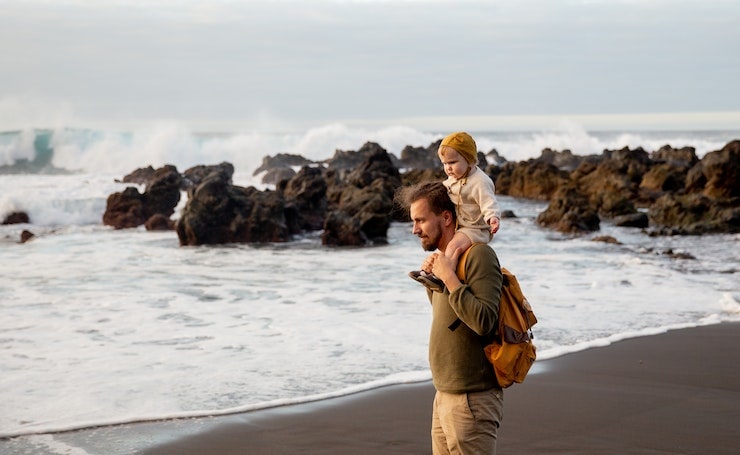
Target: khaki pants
[
  {"x": 466, "y": 423},
  {"x": 477, "y": 235}
]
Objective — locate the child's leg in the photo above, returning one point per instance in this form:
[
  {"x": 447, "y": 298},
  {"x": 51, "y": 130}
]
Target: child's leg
[{"x": 459, "y": 240}]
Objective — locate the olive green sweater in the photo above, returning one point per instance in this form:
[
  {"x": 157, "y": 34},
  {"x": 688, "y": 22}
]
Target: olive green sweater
[{"x": 456, "y": 357}]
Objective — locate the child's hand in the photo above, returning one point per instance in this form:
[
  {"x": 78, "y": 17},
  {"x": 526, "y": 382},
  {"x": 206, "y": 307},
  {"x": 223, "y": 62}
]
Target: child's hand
[{"x": 495, "y": 223}]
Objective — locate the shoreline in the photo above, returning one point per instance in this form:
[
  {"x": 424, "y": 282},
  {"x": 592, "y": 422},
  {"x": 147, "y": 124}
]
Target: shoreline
[
  {"x": 677, "y": 392},
  {"x": 377, "y": 385}
]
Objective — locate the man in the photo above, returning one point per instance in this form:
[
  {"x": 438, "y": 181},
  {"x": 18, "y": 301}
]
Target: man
[{"x": 468, "y": 405}]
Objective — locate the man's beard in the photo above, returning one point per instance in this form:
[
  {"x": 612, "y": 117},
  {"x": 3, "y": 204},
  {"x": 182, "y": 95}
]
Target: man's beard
[{"x": 429, "y": 243}]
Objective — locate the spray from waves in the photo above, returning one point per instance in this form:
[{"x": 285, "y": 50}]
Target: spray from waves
[
  {"x": 27, "y": 151},
  {"x": 115, "y": 152},
  {"x": 17, "y": 146},
  {"x": 574, "y": 137}
]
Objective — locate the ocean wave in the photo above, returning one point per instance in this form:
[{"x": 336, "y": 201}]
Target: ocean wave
[{"x": 106, "y": 151}]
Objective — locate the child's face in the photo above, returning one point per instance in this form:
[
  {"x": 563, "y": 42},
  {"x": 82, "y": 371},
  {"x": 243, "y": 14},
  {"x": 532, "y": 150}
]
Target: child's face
[{"x": 453, "y": 163}]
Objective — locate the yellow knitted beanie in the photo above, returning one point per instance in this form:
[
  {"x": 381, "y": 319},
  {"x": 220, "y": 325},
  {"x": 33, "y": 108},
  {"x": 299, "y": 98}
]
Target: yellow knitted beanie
[{"x": 464, "y": 144}]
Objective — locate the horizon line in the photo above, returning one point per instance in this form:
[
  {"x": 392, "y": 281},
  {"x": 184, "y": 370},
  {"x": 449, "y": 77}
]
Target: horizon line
[{"x": 657, "y": 121}]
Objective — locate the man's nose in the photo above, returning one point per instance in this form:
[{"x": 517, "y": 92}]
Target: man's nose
[{"x": 415, "y": 228}]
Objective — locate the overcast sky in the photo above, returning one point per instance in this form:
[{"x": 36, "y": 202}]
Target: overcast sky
[{"x": 324, "y": 61}]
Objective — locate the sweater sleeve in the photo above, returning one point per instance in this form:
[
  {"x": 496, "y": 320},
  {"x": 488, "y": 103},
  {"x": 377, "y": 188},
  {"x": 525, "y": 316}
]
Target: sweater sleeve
[
  {"x": 485, "y": 195},
  {"x": 476, "y": 302}
]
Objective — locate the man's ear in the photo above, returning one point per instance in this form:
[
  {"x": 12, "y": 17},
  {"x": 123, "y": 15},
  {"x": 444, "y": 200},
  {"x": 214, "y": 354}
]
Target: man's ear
[{"x": 449, "y": 219}]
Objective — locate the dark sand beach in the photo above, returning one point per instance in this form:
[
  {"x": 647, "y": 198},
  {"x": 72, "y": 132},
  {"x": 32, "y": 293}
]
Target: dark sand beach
[{"x": 672, "y": 393}]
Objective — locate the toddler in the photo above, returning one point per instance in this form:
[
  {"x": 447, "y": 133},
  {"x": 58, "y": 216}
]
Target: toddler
[{"x": 474, "y": 195}]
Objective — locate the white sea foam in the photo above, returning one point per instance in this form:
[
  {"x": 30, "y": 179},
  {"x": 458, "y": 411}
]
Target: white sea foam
[
  {"x": 15, "y": 147},
  {"x": 116, "y": 152},
  {"x": 59, "y": 200}
]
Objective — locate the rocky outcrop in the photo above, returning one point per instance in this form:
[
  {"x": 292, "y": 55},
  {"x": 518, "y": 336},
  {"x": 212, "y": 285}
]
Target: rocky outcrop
[
  {"x": 570, "y": 212},
  {"x": 139, "y": 176},
  {"x": 414, "y": 176},
  {"x": 195, "y": 175},
  {"x": 679, "y": 193},
  {"x": 668, "y": 172},
  {"x": 564, "y": 160},
  {"x": 662, "y": 178},
  {"x": 684, "y": 157},
  {"x": 275, "y": 176},
  {"x": 420, "y": 158},
  {"x": 218, "y": 212},
  {"x": 351, "y": 206},
  {"x": 282, "y": 160},
  {"x": 129, "y": 208},
  {"x": 612, "y": 184},
  {"x": 709, "y": 200},
  {"x": 360, "y": 204},
  {"x": 717, "y": 175},
  {"x": 637, "y": 220},
  {"x": 305, "y": 193},
  {"x": 26, "y": 236},
  {"x": 159, "y": 222},
  {"x": 693, "y": 214},
  {"x": 349, "y": 197},
  {"x": 162, "y": 193},
  {"x": 531, "y": 179},
  {"x": 280, "y": 167},
  {"x": 125, "y": 209},
  {"x": 345, "y": 161},
  {"x": 16, "y": 218},
  {"x": 493, "y": 158}
]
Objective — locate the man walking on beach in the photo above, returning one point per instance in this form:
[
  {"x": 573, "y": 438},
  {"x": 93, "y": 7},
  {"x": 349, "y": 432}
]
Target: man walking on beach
[{"x": 468, "y": 405}]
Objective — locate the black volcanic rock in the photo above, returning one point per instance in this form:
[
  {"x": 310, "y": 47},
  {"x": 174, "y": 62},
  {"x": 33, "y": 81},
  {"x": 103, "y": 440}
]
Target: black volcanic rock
[
  {"x": 129, "y": 208},
  {"x": 361, "y": 202},
  {"x": 218, "y": 212},
  {"x": 16, "y": 218}
]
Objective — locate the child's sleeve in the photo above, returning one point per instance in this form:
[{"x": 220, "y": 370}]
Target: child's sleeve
[{"x": 487, "y": 200}]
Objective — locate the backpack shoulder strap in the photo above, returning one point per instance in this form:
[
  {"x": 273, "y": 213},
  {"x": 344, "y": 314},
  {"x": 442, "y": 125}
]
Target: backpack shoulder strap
[
  {"x": 460, "y": 271},
  {"x": 461, "y": 262}
]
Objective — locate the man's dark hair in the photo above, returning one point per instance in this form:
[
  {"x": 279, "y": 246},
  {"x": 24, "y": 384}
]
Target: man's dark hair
[{"x": 434, "y": 192}]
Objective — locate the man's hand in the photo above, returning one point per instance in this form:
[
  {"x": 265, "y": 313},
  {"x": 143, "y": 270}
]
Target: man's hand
[{"x": 445, "y": 268}]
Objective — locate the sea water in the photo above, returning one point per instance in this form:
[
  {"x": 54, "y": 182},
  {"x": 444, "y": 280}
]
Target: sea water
[{"x": 101, "y": 326}]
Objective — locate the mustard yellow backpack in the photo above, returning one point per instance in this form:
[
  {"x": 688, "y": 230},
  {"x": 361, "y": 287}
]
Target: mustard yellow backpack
[{"x": 512, "y": 351}]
